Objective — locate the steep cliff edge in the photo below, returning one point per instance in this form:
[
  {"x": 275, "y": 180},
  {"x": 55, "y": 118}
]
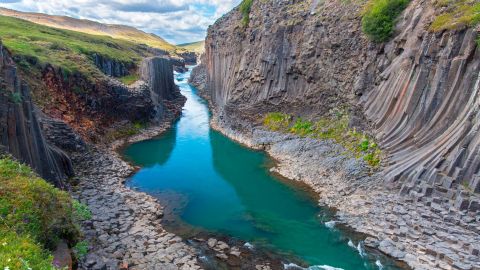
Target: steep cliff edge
[
  {"x": 417, "y": 94},
  {"x": 417, "y": 91},
  {"x": 21, "y": 134}
]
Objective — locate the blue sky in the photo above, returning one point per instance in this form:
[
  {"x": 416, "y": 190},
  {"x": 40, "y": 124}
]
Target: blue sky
[{"x": 178, "y": 21}]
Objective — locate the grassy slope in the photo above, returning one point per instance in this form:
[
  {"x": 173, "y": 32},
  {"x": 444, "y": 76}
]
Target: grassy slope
[
  {"x": 70, "y": 50},
  {"x": 33, "y": 217},
  {"x": 197, "y": 47},
  {"x": 94, "y": 28},
  {"x": 456, "y": 14}
]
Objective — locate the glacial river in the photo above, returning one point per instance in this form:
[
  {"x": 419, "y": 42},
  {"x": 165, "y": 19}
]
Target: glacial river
[{"x": 221, "y": 187}]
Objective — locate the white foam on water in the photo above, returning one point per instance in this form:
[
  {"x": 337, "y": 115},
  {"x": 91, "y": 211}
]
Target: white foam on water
[
  {"x": 292, "y": 266},
  {"x": 360, "y": 249},
  {"x": 330, "y": 224},
  {"x": 248, "y": 245},
  {"x": 379, "y": 264},
  {"x": 351, "y": 244}
]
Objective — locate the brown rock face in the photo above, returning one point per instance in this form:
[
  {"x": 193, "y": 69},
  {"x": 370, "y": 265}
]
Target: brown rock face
[
  {"x": 419, "y": 91},
  {"x": 20, "y": 132}
]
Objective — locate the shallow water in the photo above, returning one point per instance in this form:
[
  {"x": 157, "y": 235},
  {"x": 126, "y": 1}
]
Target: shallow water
[{"x": 221, "y": 187}]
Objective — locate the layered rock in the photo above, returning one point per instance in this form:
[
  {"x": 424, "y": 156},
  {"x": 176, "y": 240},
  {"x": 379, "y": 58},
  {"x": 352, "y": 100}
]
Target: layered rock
[
  {"x": 157, "y": 72},
  {"x": 20, "y": 132},
  {"x": 423, "y": 104},
  {"x": 111, "y": 67},
  {"x": 417, "y": 91}
]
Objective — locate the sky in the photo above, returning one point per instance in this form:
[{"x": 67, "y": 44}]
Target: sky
[{"x": 177, "y": 21}]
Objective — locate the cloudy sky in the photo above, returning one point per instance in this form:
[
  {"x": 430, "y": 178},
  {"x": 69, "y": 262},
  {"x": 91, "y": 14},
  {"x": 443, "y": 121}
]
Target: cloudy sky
[{"x": 177, "y": 21}]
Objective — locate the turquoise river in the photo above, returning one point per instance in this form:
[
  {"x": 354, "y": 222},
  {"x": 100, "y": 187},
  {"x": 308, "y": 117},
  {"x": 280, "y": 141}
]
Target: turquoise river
[{"x": 225, "y": 188}]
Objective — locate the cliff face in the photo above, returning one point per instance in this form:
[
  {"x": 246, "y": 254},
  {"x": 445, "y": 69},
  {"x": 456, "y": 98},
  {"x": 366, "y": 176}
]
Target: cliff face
[
  {"x": 417, "y": 92},
  {"x": 110, "y": 67},
  {"x": 157, "y": 72},
  {"x": 294, "y": 54},
  {"x": 20, "y": 132}
]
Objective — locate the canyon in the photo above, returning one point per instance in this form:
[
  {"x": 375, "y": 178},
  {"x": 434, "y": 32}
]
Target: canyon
[{"x": 416, "y": 95}]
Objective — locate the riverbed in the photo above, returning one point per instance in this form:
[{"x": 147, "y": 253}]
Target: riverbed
[{"x": 211, "y": 184}]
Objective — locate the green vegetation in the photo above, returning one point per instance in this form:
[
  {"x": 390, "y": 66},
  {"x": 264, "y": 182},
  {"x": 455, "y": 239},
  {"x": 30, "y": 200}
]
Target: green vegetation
[
  {"x": 335, "y": 128},
  {"x": 36, "y": 45},
  {"x": 129, "y": 79},
  {"x": 196, "y": 47},
  {"x": 456, "y": 14},
  {"x": 277, "y": 121},
  {"x": 33, "y": 217},
  {"x": 81, "y": 249},
  {"x": 245, "y": 8},
  {"x": 379, "y": 17},
  {"x": 127, "y": 130}
]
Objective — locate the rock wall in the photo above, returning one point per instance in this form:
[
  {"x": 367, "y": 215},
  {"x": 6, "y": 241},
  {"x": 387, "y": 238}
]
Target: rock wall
[
  {"x": 110, "y": 67},
  {"x": 157, "y": 72},
  {"x": 20, "y": 132},
  {"x": 91, "y": 107},
  {"x": 417, "y": 93}
]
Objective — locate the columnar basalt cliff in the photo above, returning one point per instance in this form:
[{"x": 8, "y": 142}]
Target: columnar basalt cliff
[
  {"x": 418, "y": 90},
  {"x": 21, "y": 134},
  {"x": 417, "y": 94},
  {"x": 157, "y": 72}
]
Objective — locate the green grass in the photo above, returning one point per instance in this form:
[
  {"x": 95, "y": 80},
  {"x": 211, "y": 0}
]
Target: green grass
[
  {"x": 129, "y": 79},
  {"x": 277, "y": 121},
  {"x": 37, "y": 45},
  {"x": 34, "y": 216},
  {"x": 456, "y": 14},
  {"x": 335, "y": 128},
  {"x": 379, "y": 16},
  {"x": 127, "y": 130},
  {"x": 197, "y": 47},
  {"x": 245, "y": 8}
]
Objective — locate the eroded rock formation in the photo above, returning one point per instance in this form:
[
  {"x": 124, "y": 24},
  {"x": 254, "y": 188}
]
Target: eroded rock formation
[
  {"x": 20, "y": 132},
  {"x": 417, "y": 92}
]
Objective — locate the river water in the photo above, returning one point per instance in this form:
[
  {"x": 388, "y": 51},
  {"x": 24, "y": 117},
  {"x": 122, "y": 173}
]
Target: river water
[{"x": 221, "y": 187}]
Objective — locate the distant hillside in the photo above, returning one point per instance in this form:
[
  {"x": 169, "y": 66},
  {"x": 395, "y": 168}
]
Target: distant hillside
[
  {"x": 91, "y": 27},
  {"x": 197, "y": 47},
  {"x": 35, "y": 45}
]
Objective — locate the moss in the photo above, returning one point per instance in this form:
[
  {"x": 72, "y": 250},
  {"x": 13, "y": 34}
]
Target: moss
[
  {"x": 245, "y": 8},
  {"x": 34, "y": 215},
  {"x": 277, "y": 121},
  {"x": 127, "y": 130},
  {"x": 129, "y": 79},
  {"x": 334, "y": 128},
  {"x": 456, "y": 14},
  {"x": 378, "y": 21}
]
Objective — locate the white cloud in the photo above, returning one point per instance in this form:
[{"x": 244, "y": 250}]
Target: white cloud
[{"x": 177, "y": 21}]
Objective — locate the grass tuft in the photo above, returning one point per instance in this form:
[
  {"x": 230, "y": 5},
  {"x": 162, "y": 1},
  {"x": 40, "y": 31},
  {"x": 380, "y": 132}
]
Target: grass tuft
[
  {"x": 129, "y": 79},
  {"x": 457, "y": 14},
  {"x": 335, "y": 128},
  {"x": 245, "y": 8}
]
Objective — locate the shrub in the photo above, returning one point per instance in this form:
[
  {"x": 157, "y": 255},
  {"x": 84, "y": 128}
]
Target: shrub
[
  {"x": 245, "y": 8},
  {"x": 379, "y": 17}
]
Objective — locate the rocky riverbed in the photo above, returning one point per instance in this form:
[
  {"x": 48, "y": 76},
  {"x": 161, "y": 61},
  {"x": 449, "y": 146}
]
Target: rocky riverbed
[
  {"x": 125, "y": 230},
  {"x": 424, "y": 234}
]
